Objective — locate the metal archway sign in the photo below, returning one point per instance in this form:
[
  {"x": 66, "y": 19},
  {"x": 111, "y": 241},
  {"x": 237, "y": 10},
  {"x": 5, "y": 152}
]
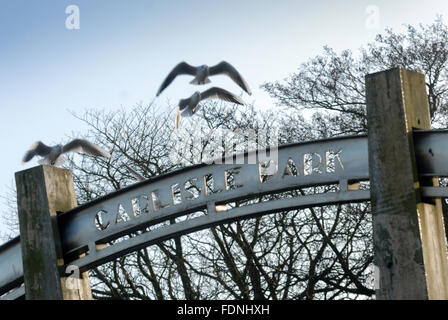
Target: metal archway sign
[
  {"x": 202, "y": 196},
  {"x": 206, "y": 190}
]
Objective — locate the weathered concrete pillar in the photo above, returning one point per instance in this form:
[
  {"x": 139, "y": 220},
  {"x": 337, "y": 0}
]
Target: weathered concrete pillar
[
  {"x": 409, "y": 237},
  {"x": 43, "y": 191}
]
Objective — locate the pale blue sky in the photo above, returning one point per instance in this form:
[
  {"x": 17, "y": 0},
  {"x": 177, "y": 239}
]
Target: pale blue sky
[{"x": 124, "y": 49}]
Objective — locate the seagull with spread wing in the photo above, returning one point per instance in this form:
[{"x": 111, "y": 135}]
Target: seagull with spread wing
[
  {"x": 52, "y": 155},
  {"x": 189, "y": 106},
  {"x": 201, "y": 74}
]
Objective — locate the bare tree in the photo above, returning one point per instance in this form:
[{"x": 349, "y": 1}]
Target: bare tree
[
  {"x": 332, "y": 85},
  {"x": 307, "y": 254},
  {"x": 315, "y": 253},
  {"x": 9, "y": 217}
]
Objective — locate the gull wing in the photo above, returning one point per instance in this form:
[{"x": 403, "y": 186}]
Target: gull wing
[
  {"x": 181, "y": 68},
  {"x": 84, "y": 146},
  {"x": 37, "y": 148},
  {"x": 227, "y": 69},
  {"x": 184, "y": 103},
  {"x": 222, "y": 94}
]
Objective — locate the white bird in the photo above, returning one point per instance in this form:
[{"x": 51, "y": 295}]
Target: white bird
[
  {"x": 201, "y": 74},
  {"x": 136, "y": 175},
  {"x": 189, "y": 106},
  {"x": 52, "y": 155}
]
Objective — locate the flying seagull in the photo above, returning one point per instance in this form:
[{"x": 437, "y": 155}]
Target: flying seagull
[
  {"x": 201, "y": 74},
  {"x": 136, "y": 175},
  {"x": 52, "y": 155},
  {"x": 189, "y": 106}
]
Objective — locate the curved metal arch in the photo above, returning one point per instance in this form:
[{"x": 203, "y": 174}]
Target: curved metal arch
[
  {"x": 216, "y": 218},
  {"x": 11, "y": 268},
  {"x": 324, "y": 162},
  {"x": 78, "y": 230}
]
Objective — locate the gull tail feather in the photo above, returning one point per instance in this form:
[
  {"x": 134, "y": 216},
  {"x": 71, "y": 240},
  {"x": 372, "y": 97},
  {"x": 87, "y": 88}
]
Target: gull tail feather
[
  {"x": 197, "y": 82},
  {"x": 43, "y": 161}
]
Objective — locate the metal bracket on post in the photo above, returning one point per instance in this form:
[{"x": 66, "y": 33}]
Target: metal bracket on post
[
  {"x": 43, "y": 191},
  {"x": 410, "y": 246}
]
